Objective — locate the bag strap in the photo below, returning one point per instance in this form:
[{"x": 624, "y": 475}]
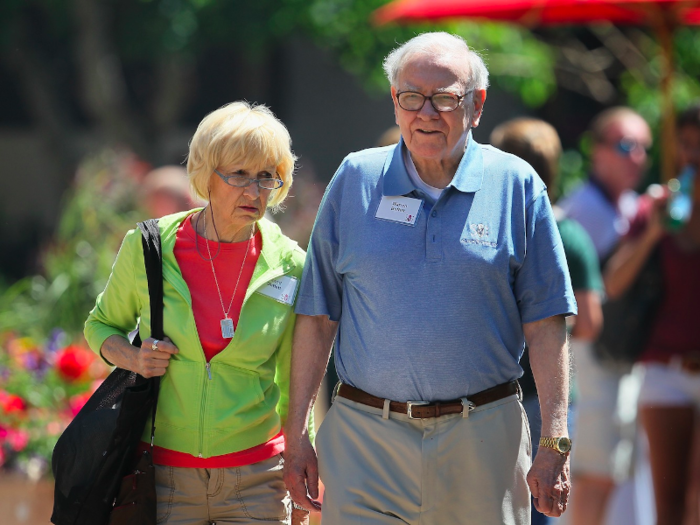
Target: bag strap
[{"x": 153, "y": 259}]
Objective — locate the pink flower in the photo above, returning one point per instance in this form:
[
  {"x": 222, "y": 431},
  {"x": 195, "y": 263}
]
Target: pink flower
[
  {"x": 54, "y": 428},
  {"x": 73, "y": 362},
  {"x": 77, "y": 402},
  {"x": 18, "y": 439}
]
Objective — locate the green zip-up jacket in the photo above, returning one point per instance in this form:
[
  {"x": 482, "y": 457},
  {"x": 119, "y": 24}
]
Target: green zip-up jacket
[{"x": 241, "y": 398}]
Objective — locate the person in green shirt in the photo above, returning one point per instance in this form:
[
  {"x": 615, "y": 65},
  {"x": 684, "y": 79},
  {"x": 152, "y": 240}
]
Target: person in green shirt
[{"x": 537, "y": 142}]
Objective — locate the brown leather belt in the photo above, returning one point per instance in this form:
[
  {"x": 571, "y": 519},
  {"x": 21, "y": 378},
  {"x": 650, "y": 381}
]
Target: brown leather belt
[{"x": 424, "y": 410}]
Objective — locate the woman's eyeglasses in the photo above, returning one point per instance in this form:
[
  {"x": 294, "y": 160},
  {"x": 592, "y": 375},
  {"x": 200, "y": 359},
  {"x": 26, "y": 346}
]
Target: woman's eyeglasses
[{"x": 239, "y": 181}]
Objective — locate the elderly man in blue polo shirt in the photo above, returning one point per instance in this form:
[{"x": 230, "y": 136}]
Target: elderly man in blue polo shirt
[{"x": 431, "y": 263}]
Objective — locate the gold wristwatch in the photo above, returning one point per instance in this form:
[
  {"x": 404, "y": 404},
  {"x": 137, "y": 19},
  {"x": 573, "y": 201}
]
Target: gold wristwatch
[{"x": 560, "y": 444}]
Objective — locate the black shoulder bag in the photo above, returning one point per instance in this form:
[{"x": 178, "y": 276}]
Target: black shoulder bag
[{"x": 98, "y": 448}]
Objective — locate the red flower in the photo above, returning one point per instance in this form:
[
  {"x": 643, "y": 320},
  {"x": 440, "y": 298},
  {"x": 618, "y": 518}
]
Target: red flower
[
  {"x": 11, "y": 403},
  {"x": 73, "y": 362}
]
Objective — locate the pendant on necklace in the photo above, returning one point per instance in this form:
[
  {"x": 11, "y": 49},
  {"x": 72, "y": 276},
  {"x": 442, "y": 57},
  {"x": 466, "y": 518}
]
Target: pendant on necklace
[{"x": 227, "y": 328}]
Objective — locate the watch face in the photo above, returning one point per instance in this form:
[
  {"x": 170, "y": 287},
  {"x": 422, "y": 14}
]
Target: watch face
[{"x": 564, "y": 445}]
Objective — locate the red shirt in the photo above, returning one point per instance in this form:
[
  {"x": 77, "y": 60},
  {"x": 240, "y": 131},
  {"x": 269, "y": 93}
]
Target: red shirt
[
  {"x": 198, "y": 275},
  {"x": 672, "y": 332},
  {"x": 208, "y": 313}
]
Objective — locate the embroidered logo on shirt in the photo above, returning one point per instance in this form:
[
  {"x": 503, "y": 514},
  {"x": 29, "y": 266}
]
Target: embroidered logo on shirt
[
  {"x": 477, "y": 233},
  {"x": 480, "y": 230}
]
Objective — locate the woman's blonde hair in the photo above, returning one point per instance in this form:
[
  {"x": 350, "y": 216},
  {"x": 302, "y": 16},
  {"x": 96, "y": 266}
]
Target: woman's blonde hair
[{"x": 241, "y": 133}]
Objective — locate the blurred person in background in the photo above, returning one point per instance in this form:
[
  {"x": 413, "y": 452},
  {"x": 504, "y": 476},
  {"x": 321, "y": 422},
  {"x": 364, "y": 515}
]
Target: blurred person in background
[
  {"x": 604, "y": 205},
  {"x": 669, "y": 399},
  {"x": 167, "y": 190},
  {"x": 537, "y": 143},
  {"x": 417, "y": 262},
  {"x": 230, "y": 278},
  {"x": 390, "y": 137}
]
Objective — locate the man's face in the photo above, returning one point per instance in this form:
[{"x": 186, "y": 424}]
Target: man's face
[
  {"x": 620, "y": 160},
  {"x": 431, "y": 135}
]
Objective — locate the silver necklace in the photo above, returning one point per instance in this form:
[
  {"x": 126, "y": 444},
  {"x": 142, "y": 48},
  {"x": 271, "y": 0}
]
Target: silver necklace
[{"x": 226, "y": 323}]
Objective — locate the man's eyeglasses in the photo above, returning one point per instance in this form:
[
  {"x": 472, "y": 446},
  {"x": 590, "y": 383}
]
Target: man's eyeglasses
[
  {"x": 442, "y": 102},
  {"x": 239, "y": 181},
  {"x": 626, "y": 147}
]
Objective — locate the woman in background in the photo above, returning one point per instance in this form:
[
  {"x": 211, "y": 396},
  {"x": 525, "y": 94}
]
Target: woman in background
[{"x": 669, "y": 399}]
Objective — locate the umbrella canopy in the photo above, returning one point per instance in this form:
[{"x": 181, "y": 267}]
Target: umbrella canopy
[
  {"x": 661, "y": 15},
  {"x": 546, "y": 12}
]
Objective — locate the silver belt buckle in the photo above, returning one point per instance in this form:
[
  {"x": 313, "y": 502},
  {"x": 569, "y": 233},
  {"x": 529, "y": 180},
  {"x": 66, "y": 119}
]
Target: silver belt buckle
[{"x": 411, "y": 404}]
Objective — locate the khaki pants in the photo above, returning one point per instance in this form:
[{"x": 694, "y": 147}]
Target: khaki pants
[
  {"x": 197, "y": 496},
  {"x": 449, "y": 470}
]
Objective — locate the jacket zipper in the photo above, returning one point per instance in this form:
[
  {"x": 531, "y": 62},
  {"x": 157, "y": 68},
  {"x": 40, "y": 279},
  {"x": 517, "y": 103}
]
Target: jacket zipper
[
  {"x": 274, "y": 275},
  {"x": 204, "y": 404}
]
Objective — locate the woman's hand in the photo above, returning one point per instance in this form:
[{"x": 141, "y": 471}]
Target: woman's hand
[
  {"x": 147, "y": 360},
  {"x": 153, "y": 358},
  {"x": 300, "y": 517},
  {"x": 656, "y": 228}
]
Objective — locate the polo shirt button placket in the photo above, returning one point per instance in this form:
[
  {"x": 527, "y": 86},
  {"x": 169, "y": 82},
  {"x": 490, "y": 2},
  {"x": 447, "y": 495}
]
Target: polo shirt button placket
[{"x": 433, "y": 241}]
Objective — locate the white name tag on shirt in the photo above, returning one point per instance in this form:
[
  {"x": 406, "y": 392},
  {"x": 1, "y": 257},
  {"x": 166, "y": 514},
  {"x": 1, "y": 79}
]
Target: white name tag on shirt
[
  {"x": 283, "y": 289},
  {"x": 403, "y": 210}
]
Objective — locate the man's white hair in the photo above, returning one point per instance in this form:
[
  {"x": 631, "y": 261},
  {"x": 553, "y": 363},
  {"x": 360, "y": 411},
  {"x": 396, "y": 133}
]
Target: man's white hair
[{"x": 437, "y": 43}]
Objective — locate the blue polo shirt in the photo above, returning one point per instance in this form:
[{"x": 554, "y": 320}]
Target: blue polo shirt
[{"x": 434, "y": 311}]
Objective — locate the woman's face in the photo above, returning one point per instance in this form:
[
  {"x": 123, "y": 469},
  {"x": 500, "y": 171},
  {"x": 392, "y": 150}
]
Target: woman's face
[{"x": 240, "y": 206}]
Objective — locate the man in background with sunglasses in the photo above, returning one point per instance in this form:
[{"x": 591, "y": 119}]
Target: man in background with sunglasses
[
  {"x": 432, "y": 261},
  {"x": 604, "y": 205}
]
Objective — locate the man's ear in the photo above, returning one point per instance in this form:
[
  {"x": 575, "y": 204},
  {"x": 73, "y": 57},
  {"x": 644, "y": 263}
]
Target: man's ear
[
  {"x": 478, "y": 106},
  {"x": 396, "y": 105}
]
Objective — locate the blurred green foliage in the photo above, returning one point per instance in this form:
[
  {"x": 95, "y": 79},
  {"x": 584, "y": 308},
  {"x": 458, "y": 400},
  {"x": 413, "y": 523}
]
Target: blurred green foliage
[
  {"x": 149, "y": 30},
  {"x": 97, "y": 213}
]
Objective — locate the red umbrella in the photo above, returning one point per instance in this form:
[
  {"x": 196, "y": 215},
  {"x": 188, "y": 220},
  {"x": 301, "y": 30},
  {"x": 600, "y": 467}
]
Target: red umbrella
[
  {"x": 662, "y": 15},
  {"x": 546, "y": 12}
]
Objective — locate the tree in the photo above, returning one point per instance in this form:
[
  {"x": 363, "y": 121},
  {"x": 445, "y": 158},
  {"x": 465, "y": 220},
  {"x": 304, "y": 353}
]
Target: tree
[{"x": 129, "y": 67}]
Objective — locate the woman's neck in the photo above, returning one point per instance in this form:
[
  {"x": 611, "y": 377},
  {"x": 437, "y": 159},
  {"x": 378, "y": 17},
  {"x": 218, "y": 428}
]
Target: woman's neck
[{"x": 217, "y": 229}]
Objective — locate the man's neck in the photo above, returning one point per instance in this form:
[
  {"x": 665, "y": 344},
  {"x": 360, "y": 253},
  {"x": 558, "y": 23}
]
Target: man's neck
[{"x": 437, "y": 173}]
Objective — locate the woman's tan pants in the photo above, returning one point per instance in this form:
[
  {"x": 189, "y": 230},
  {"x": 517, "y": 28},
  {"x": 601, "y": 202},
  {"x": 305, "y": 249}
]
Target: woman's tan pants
[{"x": 197, "y": 496}]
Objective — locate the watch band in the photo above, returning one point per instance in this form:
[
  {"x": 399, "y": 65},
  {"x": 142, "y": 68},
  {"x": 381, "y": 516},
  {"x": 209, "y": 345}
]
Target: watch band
[{"x": 560, "y": 444}]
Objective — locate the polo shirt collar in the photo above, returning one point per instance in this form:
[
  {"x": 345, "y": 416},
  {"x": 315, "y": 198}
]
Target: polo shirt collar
[
  {"x": 470, "y": 172},
  {"x": 467, "y": 179}
]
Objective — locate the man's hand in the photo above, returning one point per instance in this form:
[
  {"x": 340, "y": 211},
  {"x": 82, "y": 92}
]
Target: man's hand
[
  {"x": 549, "y": 482},
  {"x": 301, "y": 474}
]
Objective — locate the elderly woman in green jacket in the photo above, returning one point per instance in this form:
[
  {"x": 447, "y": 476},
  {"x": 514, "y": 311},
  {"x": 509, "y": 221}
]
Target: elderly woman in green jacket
[{"x": 229, "y": 284}]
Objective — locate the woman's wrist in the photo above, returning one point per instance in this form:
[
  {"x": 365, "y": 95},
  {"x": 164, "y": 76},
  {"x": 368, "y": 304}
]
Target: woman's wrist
[{"x": 299, "y": 507}]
